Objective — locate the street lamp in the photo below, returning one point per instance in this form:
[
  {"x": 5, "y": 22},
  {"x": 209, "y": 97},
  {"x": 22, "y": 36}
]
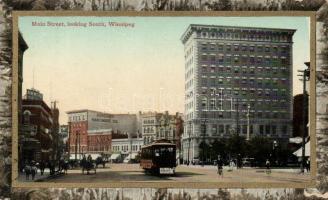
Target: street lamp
[
  {"x": 248, "y": 122},
  {"x": 189, "y": 139},
  {"x": 305, "y": 74}
]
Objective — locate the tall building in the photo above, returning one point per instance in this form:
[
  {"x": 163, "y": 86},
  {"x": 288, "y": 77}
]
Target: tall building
[
  {"x": 36, "y": 139},
  {"x": 237, "y": 80}
]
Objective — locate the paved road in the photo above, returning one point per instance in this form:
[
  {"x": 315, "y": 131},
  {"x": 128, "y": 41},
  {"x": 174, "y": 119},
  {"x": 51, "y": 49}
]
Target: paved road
[{"x": 132, "y": 172}]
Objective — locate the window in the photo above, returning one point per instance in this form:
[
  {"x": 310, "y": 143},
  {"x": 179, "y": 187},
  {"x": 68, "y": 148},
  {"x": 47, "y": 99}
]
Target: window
[
  {"x": 252, "y": 60},
  {"x": 236, "y": 48},
  {"x": 204, "y": 57},
  {"x": 267, "y": 129},
  {"x": 267, "y": 49},
  {"x": 236, "y": 59},
  {"x": 251, "y": 48},
  {"x": 203, "y": 128},
  {"x": 244, "y": 129},
  {"x": 259, "y": 48},
  {"x": 220, "y": 58},
  {"x": 259, "y": 60},
  {"x": 204, "y": 103},
  {"x": 220, "y": 47},
  {"x": 244, "y": 48},
  {"x": 221, "y": 129},
  {"x": 228, "y": 59},
  {"x": 212, "y": 104},
  {"x": 228, "y": 47},
  {"x": 227, "y": 129},
  {"x": 212, "y": 58},
  {"x": 214, "y": 129},
  {"x": 261, "y": 129},
  {"x": 204, "y": 47}
]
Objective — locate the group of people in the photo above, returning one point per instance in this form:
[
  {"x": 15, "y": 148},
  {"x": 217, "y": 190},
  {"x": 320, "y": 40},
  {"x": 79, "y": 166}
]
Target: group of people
[
  {"x": 232, "y": 165},
  {"x": 30, "y": 169}
]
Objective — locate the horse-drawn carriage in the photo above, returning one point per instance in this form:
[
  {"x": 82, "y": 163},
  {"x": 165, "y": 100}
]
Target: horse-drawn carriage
[{"x": 88, "y": 165}]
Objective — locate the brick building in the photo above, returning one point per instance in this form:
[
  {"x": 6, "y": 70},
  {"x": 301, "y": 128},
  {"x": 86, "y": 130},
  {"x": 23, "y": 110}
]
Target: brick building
[
  {"x": 36, "y": 139},
  {"x": 88, "y": 128}
]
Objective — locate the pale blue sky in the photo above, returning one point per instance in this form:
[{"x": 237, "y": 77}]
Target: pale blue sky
[{"x": 117, "y": 69}]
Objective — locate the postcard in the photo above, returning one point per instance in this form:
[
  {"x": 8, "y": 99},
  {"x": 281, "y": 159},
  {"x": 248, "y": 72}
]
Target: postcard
[{"x": 143, "y": 100}]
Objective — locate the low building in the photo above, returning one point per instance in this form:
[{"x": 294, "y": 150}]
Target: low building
[
  {"x": 156, "y": 126},
  {"x": 126, "y": 148},
  {"x": 82, "y": 122},
  {"x": 100, "y": 141}
]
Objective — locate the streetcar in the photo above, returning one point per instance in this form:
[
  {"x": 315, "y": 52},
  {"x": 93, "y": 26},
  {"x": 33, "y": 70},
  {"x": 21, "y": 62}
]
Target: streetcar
[{"x": 159, "y": 157}]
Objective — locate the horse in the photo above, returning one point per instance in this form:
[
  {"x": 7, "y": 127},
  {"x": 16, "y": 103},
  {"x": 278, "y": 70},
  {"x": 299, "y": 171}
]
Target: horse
[
  {"x": 87, "y": 165},
  {"x": 65, "y": 167},
  {"x": 101, "y": 161}
]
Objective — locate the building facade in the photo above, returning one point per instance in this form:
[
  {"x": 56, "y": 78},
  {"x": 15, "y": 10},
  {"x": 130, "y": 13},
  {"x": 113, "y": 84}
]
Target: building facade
[
  {"x": 237, "y": 80},
  {"x": 87, "y": 126},
  {"x": 126, "y": 148},
  {"x": 156, "y": 126},
  {"x": 36, "y": 138},
  {"x": 100, "y": 141}
]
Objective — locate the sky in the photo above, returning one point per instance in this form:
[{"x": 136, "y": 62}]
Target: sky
[{"x": 120, "y": 69}]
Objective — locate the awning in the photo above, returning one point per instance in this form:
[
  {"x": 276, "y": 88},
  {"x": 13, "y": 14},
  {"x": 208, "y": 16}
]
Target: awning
[
  {"x": 114, "y": 156},
  {"x": 298, "y": 153}
]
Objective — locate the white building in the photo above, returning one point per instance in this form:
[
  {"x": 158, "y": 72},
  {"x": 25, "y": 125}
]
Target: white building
[{"x": 125, "y": 149}]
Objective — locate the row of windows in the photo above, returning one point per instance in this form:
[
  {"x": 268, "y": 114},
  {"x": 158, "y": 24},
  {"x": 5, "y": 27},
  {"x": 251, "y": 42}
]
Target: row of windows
[
  {"x": 245, "y": 35},
  {"x": 216, "y": 82},
  {"x": 228, "y": 47},
  {"x": 126, "y": 148},
  {"x": 148, "y": 130},
  {"x": 242, "y": 114},
  {"x": 242, "y": 129},
  {"x": 149, "y": 121},
  {"x": 239, "y": 59},
  {"x": 245, "y": 70}
]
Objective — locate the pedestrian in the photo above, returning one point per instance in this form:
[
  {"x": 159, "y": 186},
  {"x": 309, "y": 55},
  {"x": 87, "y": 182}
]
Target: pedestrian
[
  {"x": 27, "y": 170},
  {"x": 34, "y": 170},
  {"x": 308, "y": 165},
  {"x": 231, "y": 165},
  {"x": 42, "y": 166},
  {"x": 220, "y": 166},
  {"x": 267, "y": 165}
]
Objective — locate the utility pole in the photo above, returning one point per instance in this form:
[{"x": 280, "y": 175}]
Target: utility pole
[
  {"x": 76, "y": 145},
  {"x": 305, "y": 77},
  {"x": 189, "y": 139},
  {"x": 248, "y": 123},
  {"x": 237, "y": 116}
]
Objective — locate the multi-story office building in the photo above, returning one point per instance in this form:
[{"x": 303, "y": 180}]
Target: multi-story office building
[{"x": 237, "y": 80}]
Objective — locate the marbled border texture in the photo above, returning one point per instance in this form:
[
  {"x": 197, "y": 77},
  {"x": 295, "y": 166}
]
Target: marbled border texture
[{"x": 321, "y": 190}]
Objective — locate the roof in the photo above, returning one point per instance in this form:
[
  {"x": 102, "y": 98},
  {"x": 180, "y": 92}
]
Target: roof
[
  {"x": 185, "y": 34},
  {"x": 81, "y": 110}
]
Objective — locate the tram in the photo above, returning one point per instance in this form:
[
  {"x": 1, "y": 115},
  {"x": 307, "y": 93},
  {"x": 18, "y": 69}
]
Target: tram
[{"x": 159, "y": 157}]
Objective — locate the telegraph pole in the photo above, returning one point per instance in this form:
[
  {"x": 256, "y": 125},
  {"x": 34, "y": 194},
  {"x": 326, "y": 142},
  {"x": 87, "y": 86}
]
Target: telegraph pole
[
  {"x": 248, "y": 123},
  {"x": 305, "y": 77},
  {"x": 237, "y": 116}
]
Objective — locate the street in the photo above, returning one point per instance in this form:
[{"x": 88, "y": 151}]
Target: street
[{"x": 132, "y": 172}]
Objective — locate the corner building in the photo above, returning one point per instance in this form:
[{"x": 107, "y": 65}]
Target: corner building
[{"x": 237, "y": 79}]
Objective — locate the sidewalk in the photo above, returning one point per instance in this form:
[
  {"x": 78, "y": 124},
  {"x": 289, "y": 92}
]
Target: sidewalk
[
  {"x": 288, "y": 170},
  {"x": 38, "y": 178}
]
